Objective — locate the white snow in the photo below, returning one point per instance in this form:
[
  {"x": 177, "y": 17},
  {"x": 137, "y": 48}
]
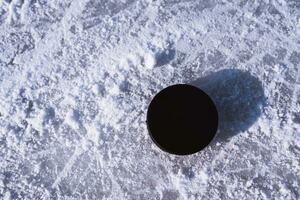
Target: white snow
[{"x": 76, "y": 78}]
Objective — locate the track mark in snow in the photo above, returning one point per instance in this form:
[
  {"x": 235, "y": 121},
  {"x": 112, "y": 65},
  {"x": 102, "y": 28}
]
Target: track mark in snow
[
  {"x": 68, "y": 166},
  {"x": 15, "y": 11},
  {"x": 290, "y": 40},
  {"x": 294, "y": 97}
]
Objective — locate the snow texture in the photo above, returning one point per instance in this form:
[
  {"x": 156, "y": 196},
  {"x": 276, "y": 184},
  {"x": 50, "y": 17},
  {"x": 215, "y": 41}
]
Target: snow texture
[{"x": 76, "y": 78}]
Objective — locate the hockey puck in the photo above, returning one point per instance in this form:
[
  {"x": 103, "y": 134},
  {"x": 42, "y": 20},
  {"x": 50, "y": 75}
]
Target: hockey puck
[{"x": 182, "y": 119}]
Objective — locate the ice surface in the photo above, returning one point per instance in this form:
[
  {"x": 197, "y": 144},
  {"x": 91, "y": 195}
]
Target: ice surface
[{"x": 76, "y": 78}]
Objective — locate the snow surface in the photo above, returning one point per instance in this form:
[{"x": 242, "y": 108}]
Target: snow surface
[{"x": 77, "y": 76}]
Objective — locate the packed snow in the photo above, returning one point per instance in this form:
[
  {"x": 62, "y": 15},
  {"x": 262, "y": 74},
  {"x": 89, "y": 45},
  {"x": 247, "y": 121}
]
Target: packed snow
[{"x": 76, "y": 78}]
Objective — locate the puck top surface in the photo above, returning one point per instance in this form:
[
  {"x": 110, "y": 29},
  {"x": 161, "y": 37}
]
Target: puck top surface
[{"x": 182, "y": 119}]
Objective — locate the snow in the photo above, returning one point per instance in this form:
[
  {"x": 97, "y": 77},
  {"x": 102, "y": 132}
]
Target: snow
[{"x": 76, "y": 78}]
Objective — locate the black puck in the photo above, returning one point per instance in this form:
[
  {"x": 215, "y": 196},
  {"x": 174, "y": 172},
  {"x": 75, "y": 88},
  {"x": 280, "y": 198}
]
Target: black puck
[{"x": 182, "y": 119}]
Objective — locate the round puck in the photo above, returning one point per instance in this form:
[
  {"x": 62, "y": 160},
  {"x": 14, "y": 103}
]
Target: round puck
[{"x": 182, "y": 119}]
